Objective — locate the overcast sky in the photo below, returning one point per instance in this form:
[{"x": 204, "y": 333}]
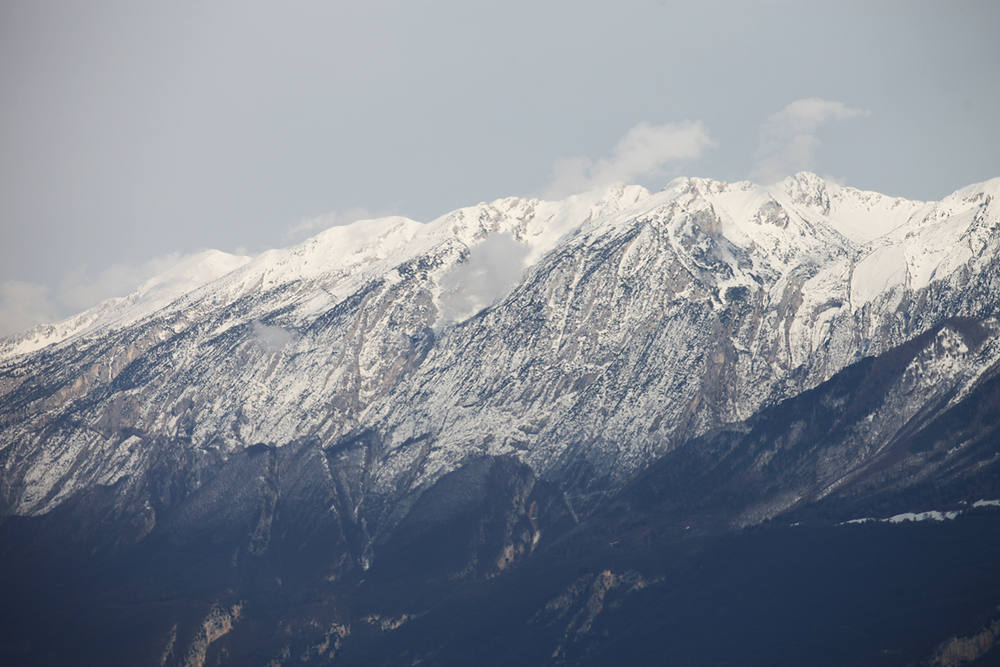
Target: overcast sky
[{"x": 136, "y": 132}]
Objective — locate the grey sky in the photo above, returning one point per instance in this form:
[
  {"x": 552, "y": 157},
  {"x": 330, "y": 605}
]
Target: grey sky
[{"x": 133, "y": 130}]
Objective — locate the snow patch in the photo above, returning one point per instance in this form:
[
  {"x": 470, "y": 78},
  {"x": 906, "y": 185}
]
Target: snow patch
[
  {"x": 877, "y": 273},
  {"x": 930, "y": 515}
]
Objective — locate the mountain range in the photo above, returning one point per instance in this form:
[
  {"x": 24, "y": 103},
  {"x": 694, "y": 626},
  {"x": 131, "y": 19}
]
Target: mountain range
[{"x": 721, "y": 423}]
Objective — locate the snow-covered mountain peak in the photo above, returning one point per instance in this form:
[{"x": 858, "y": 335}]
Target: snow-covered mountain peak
[
  {"x": 372, "y": 247},
  {"x": 977, "y": 191},
  {"x": 390, "y": 240},
  {"x": 189, "y": 273},
  {"x": 341, "y": 249},
  {"x": 860, "y": 216}
]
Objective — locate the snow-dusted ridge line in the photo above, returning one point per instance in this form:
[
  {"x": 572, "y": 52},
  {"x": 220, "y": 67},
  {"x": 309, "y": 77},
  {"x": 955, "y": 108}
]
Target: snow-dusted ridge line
[
  {"x": 336, "y": 260},
  {"x": 373, "y": 246},
  {"x": 640, "y": 320}
]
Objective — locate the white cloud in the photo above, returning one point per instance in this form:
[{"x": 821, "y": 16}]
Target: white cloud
[
  {"x": 271, "y": 338},
  {"x": 492, "y": 268},
  {"x": 24, "y": 305},
  {"x": 788, "y": 138},
  {"x": 307, "y": 227},
  {"x": 643, "y": 152},
  {"x": 81, "y": 288}
]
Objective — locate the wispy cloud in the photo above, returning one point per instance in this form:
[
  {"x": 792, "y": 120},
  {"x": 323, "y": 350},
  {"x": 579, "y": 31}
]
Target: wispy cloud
[
  {"x": 309, "y": 226},
  {"x": 82, "y": 288},
  {"x": 270, "y": 338},
  {"x": 642, "y": 153},
  {"x": 24, "y": 305},
  {"x": 492, "y": 268},
  {"x": 788, "y": 139}
]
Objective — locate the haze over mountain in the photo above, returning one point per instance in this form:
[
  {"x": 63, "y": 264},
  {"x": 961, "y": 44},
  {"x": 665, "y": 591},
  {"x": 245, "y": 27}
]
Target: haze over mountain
[{"x": 529, "y": 430}]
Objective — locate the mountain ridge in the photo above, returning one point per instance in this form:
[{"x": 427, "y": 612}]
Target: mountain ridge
[
  {"x": 343, "y": 332},
  {"x": 803, "y": 188}
]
